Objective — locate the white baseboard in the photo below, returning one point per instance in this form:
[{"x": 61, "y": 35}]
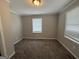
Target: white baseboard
[
  {"x": 12, "y": 55},
  {"x": 39, "y": 38},
  {"x": 68, "y": 49},
  {"x": 18, "y": 41}
]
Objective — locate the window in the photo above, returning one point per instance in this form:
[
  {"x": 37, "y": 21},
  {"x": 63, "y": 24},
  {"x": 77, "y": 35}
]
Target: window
[
  {"x": 37, "y": 25},
  {"x": 72, "y": 24}
]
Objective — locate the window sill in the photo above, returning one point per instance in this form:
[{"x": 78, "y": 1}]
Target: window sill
[
  {"x": 72, "y": 39},
  {"x": 37, "y": 32}
]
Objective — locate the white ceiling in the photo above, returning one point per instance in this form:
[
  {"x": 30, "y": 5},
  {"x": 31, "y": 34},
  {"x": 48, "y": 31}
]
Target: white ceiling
[{"x": 25, "y": 7}]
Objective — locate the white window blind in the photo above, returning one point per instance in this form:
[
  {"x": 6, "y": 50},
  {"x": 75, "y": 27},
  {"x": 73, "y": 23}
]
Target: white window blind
[{"x": 37, "y": 25}]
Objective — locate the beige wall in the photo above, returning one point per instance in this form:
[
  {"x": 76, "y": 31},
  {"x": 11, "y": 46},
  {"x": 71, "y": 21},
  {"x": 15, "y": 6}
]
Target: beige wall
[
  {"x": 7, "y": 27},
  {"x": 73, "y": 47},
  {"x": 16, "y": 28},
  {"x": 49, "y": 26}
]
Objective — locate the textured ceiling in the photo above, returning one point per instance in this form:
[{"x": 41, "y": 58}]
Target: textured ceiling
[{"x": 25, "y": 7}]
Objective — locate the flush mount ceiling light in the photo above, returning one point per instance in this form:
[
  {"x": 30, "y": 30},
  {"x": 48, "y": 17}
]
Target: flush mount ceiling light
[{"x": 36, "y": 2}]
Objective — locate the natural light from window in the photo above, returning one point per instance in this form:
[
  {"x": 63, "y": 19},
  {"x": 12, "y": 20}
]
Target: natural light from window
[
  {"x": 72, "y": 24},
  {"x": 37, "y": 25}
]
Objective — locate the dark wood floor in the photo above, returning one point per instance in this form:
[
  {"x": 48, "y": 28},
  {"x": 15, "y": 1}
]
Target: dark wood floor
[{"x": 41, "y": 49}]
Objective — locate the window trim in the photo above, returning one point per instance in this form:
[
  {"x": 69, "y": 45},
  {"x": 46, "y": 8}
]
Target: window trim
[{"x": 37, "y": 32}]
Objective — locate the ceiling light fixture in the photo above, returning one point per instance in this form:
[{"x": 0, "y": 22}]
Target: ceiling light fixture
[{"x": 36, "y": 2}]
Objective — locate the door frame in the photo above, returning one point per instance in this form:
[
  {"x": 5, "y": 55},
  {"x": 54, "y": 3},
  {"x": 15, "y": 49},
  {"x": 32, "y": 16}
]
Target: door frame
[{"x": 2, "y": 41}]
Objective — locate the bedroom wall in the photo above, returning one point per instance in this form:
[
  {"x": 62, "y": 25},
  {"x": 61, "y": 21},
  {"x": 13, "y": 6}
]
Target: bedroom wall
[
  {"x": 16, "y": 28},
  {"x": 49, "y": 27}
]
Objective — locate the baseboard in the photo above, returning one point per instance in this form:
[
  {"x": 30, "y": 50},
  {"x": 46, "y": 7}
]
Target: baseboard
[
  {"x": 68, "y": 49},
  {"x": 11, "y": 55},
  {"x": 18, "y": 41},
  {"x": 39, "y": 38}
]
